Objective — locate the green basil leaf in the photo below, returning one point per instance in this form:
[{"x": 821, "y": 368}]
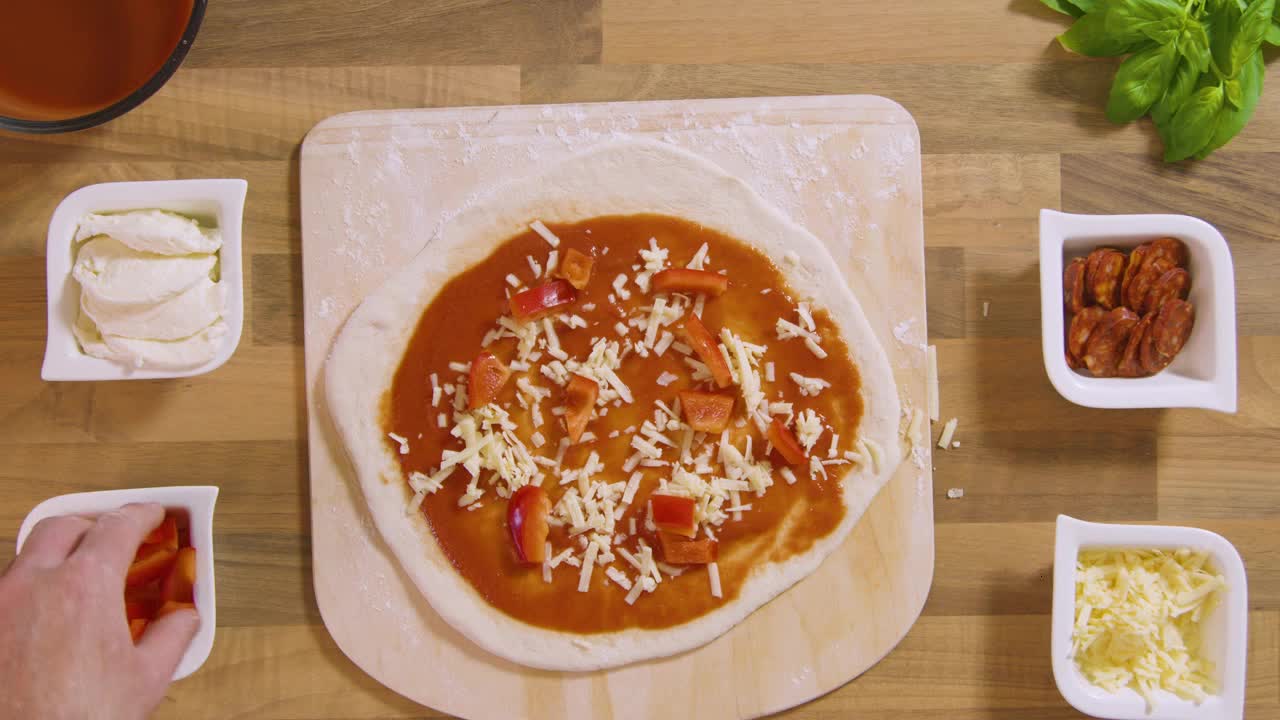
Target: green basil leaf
[
  {"x": 1141, "y": 80},
  {"x": 1222, "y": 23},
  {"x": 1232, "y": 92},
  {"x": 1273, "y": 33},
  {"x": 1090, "y": 36},
  {"x": 1086, "y": 6},
  {"x": 1254, "y": 23},
  {"x": 1118, "y": 27},
  {"x": 1180, "y": 88},
  {"x": 1193, "y": 126},
  {"x": 1163, "y": 31},
  {"x": 1131, "y": 11},
  {"x": 1232, "y": 120},
  {"x": 1193, "y": 44},
  {"x": 1063, "y": 6}
]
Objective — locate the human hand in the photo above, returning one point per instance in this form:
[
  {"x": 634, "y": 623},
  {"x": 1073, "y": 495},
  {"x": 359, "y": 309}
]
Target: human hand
[{"x": 65, "y": 648}]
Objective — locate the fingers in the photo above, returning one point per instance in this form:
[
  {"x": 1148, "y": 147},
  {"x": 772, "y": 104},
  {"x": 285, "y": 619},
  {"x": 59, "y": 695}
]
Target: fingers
[
  {"x": 115, "y": 536},
  {"x": 164, "y": 642},
  {"x": 53, "y": 539}
]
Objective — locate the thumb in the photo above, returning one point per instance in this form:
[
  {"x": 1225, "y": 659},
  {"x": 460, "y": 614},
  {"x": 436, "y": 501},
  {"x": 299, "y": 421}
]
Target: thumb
[{"x": 165, "y": 641}]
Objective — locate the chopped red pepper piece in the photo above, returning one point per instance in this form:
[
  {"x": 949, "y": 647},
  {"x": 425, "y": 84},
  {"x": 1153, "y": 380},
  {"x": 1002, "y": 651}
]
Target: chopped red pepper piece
[
  {"x": 579, "y": 401},
  {"x": 674, "y": 514},
  {"x": 705, "y": 345},
  {"x": 136, "y": 627},
  {"x": 135, "y": 609},
  {"x": 173, "y": 606},
  {"x": 488, "y": 375},
  {"x": 537, "y": 302},
  {"x": 679, "y": 551},
  {"x": 166, "y": 533},
  {"x": 527, "y": 512},
  {"x": 694, "y": 281},
  {"x": 152, "y": 562},
  {"x": 576, "y": 268},
  {"x": 706, "y": 411},
  {"x": 180, "y": 583},
  {"x": 785, "y": 443}
]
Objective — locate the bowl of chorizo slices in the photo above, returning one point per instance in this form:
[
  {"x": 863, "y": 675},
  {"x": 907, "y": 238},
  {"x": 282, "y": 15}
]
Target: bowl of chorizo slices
[{"x": 1138, "y": 311}]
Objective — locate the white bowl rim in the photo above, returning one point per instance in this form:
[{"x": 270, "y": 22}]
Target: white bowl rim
[
  {"x": 199, "y": 502},
  {"x": 1164, "y": 390},
  {"x": 1071, "y": 535},
  {"x": 228, "y": 194}
]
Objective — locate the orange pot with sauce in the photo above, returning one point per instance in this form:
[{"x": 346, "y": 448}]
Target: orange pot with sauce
[{"x": 72, "y": 64}]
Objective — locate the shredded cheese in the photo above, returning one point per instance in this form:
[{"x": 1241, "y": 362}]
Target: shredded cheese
[
  {"x": 809, "y": 386},
  {"x": 1138, "y": 618},
  {"x": 948, "y": 431},
  {"x": 546, "y": 234},
  {"x": 913, "y": 429},
  {"x": 402, "y": 441},
  {"x": 713, "y": 574},
  {"x": 808, "y": 428}
]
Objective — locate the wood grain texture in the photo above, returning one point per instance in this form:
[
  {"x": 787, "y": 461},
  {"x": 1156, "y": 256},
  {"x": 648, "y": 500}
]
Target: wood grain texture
[
  {"x": 733, "y": 31},
  {"x": 1009, "y": 124}
]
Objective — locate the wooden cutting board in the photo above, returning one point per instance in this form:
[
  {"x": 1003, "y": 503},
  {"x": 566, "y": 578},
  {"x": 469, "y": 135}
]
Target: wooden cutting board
[{"x": 375, "y": 188}]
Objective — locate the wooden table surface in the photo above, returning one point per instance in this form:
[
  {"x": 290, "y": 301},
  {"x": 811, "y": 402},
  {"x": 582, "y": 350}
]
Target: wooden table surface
[{"x": 1010, "y": 124}]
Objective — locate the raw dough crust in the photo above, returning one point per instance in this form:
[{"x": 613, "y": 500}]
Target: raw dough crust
[{"x": 613, "y": 179}]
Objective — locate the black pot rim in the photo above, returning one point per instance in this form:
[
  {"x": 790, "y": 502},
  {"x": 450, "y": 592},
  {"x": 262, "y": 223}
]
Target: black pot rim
[{"x": 124, "y": 105}]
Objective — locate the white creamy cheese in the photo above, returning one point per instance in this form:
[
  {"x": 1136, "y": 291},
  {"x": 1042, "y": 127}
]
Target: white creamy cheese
[
  {"x": 182, "y": 354},
  {"x": 113, "y": 272},
  {"x": 181, "y": 316},
  {"x": 148, "y": 297},
  {"x": 152, "y": 231}
]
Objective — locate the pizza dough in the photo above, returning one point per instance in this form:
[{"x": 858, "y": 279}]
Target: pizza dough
[{"x": 614, "y": 179}]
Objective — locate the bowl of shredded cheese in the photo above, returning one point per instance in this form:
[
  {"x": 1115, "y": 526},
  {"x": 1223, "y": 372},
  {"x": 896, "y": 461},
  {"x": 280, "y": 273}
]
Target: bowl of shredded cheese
[{"x": 1149, "y": 621}]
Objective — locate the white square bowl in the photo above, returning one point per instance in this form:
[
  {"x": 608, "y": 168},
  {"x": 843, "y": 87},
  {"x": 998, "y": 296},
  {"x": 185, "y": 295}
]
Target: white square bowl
[
  {"x": 1203, "y": 375},
  {"x": 1225, "y": 630},
  {"x": 198, "y": 502},
  {"x": 219, "y": 200}
]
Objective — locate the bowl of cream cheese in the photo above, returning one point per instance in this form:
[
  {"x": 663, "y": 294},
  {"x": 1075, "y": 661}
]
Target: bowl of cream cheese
[{"x": 145, "y": 280}]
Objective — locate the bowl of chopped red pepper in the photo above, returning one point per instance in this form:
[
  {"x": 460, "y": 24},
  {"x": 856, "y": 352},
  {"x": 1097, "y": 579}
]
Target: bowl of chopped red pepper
[{"x": 172, "y": 568}]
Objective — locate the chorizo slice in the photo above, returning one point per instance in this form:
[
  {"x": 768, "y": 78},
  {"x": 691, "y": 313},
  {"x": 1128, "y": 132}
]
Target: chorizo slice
[
  {"x": 1106, "y": 278},
  {"x": 1073, "y": 286},
  {"x": 1147, "y": 276},
  {"x": 1136, "y": 259},
  {"x": 1106, "y": 345},
  {"x": 1082, "y": 325},
  {"x": 1131, "y": 362},
  {"x": 1169, "y": 332},
  {"x": 1172, "y": 285},
  {"x": 1090, "y": 270},
  {"x": 1169, "y": 250}
]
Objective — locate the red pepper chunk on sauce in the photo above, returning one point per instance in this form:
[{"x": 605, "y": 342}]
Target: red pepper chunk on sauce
[
  {"x": 538, "y": 302},
  {"x": 527, "y": 512},
  {"x": 705, "y": 346},
  {"x": 706, "y": 411},
  {"x": 579, "y": 401},
  {"x": 488, "y": 375},
  {"x": 576, "y": 268},
  {"x": 785, "y": 443},
  {"x": 691, "y": 281},
  {"x": 674, "y": 514}
]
